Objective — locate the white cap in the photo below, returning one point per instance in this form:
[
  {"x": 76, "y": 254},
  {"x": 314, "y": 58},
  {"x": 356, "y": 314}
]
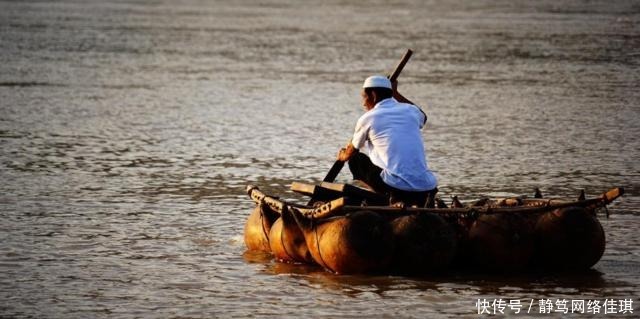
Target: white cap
[{"x": 377, "y": 81}]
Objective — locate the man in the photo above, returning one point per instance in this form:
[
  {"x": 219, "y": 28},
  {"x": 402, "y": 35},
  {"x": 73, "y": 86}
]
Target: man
[{"x": 389, "y": 132}]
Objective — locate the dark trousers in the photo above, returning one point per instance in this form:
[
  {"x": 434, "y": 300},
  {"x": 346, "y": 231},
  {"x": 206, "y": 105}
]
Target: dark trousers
[{"x": 363, "y": 169}]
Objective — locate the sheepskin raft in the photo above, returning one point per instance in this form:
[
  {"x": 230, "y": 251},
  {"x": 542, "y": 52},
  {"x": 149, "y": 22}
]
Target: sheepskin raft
[{"x": 348, "y": 229}]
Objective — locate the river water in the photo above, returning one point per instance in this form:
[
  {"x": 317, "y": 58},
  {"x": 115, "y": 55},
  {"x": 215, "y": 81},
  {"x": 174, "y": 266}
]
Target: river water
[{"x": 129, "y": 129}]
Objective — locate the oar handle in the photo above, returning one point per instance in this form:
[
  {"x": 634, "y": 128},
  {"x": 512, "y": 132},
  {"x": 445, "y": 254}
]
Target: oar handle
[
  {"x": 405, "y": 58},
  {"x": 334, "y": 171}
]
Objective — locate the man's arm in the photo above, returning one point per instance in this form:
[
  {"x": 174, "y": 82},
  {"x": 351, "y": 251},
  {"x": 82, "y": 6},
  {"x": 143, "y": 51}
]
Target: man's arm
[
  {"x": 400, "y": 98},
  {"x": 396, "y": 95}
]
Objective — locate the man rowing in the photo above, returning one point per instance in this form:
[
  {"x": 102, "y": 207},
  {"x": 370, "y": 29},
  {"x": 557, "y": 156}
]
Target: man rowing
[{"x": 386, "y": 150}]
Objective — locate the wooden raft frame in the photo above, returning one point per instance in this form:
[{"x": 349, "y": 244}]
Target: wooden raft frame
[{"x": 344, "y": 205}]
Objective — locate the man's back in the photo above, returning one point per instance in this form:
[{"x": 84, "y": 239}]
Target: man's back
[{"x": 391, "y": 133}]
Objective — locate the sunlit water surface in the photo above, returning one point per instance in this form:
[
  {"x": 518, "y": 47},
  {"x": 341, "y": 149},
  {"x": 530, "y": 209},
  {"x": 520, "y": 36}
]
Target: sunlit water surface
[{"x": 128, "y": 130}]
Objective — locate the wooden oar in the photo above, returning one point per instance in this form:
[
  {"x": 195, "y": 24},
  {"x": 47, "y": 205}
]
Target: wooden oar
[{"x": 337, "y": 166}]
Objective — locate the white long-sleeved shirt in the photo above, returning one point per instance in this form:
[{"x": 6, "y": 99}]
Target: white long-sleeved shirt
[{"x": 390, "y": 134}]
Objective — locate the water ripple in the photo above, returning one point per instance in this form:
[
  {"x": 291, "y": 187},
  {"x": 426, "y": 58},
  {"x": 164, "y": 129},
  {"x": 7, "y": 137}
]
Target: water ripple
[{"x": 128, "y": 132}]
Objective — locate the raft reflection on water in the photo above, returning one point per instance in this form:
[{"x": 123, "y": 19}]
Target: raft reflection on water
[
  {"x": 587, "y": 281},
  {"x": 497, "y": 235}
]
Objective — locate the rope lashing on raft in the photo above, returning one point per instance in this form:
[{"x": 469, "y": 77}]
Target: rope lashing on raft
[
  {"x": 315, "y": 233},
  {"x": 262, "y": 206},
  {"x": 285, "y": 210}
]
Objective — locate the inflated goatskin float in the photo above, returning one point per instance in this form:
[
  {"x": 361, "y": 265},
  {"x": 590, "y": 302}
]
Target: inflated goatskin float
[
  {"x": 347, "y": 230},
  {"x": 258, "y": 226},
  {"x": 424, "y": 242},
  {"x": 358, "y": 242},
  {"x": 287, "y": 240}
]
